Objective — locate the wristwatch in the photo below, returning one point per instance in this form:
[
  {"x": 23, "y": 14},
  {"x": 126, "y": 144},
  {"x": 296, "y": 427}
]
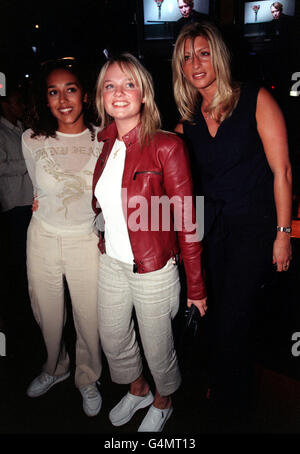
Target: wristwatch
[{"x": 284, "y": 229}]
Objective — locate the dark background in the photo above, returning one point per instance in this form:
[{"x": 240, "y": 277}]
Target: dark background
[{"x": 83, "y": 29}]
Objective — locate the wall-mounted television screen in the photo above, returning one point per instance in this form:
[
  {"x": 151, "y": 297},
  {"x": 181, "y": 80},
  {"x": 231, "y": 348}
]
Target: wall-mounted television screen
[
  {"x": 266, "y": 10},
  {"x": 161, "y": 15},
  {"x": 260, "y": 16}
]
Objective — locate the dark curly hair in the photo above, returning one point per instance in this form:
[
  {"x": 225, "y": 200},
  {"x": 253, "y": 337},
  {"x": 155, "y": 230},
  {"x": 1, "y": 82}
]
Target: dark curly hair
[{"x": 38, "y": 116}]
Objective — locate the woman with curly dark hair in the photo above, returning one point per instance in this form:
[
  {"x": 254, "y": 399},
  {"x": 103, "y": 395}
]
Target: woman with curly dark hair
[{"x": 61, "y": 153}]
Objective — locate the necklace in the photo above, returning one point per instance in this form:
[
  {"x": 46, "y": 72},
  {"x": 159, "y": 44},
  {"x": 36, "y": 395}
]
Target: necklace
[
  {"x": 118, "y": 149},
  {"x": 116, "y": 152},
  {"x": 206, "y": 114}
]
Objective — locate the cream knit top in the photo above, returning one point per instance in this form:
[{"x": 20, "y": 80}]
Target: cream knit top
[{"x": 61, "y": 170}]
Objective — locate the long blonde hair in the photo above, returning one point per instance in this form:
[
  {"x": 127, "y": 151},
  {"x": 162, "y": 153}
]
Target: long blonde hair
[
  {"x": 150, "y": 116},
  {"x": 185, "y": 94}
]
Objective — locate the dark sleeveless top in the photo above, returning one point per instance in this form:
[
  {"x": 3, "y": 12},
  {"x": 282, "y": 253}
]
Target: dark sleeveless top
[{"x": 231, "y": 169}]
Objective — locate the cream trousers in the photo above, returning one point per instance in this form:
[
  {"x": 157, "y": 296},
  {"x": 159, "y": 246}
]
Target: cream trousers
[
  {"x": 155, "y": 298},
  {"x": 50, "y": 257}
]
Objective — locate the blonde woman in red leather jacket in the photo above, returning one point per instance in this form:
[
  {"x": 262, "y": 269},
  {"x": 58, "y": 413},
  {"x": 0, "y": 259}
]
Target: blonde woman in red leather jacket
[{"x": 141, "y": 173}]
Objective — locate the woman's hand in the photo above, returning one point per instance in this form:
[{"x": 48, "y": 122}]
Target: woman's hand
[
  {"x": 200, "y": 304},
  {"x": 282, "y": 252},
  {"x": 35, "y": 204}
]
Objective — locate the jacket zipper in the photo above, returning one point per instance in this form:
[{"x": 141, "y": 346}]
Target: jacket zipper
[{"x": 146, "y": 171}]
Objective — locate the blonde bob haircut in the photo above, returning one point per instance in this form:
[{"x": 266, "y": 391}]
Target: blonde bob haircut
[
  {"x": 150, "y": 116},
  {"x": 185, "y": 94}
]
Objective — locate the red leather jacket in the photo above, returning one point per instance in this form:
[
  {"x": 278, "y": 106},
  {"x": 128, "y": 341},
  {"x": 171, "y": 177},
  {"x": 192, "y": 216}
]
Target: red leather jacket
[{"x": 160, "y": 168}]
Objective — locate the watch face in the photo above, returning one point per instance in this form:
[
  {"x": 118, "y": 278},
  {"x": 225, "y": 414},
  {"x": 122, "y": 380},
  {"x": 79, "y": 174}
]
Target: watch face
[{"x": 284, "y": 229}]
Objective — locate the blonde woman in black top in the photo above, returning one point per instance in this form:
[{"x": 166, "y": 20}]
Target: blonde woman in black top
[{"x": 238, "y": 142}]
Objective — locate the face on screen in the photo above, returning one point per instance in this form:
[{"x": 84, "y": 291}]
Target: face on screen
[
  {"x": 184, "y": 8},
  {"x": 276, "y": 13}
]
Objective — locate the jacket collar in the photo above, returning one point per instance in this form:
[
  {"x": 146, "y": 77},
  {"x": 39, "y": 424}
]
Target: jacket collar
[{"x": 111, "y": 133}]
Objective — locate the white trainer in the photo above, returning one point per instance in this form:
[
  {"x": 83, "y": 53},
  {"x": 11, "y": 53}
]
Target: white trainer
[
  {"x": 41, "y": 384},
  {"x": 126, "y": 408},
  {"x": 155, "y": 419},
  {"x": 92, "y": 399}
]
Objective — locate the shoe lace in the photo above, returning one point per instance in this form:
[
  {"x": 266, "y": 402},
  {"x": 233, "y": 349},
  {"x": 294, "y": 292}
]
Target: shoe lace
[
  {"x": 45, "y": 378},
  {"x": 90, "y": 391}
]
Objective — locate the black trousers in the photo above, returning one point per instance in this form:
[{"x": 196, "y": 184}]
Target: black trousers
[{"x": 238, "y": 258}]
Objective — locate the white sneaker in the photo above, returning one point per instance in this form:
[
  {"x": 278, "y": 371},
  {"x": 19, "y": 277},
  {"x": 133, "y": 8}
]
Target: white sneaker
[
  {"x": 125, "y": 409},
  {"x": 41, "y": 384},
  {"x": 92, "y": 400},
  {"x": 155, "y": 419}
]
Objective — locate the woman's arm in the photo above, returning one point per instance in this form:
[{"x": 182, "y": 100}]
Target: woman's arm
[
  {"x": 178, "y": 186},
  {"x": 201, "y": 304},
  {"x": 272, "y": 130},
  {"x": 30, "y": 164}
]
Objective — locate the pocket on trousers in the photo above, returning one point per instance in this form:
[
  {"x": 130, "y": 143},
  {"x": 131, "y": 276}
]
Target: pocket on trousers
[{"x": 175, "y": 298}]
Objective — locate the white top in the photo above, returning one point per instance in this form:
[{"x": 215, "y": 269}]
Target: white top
[
  {"x": 108, "y": 194},
  {"x": 61, "y": 170},
  {"x": 15, "y": 184}
]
